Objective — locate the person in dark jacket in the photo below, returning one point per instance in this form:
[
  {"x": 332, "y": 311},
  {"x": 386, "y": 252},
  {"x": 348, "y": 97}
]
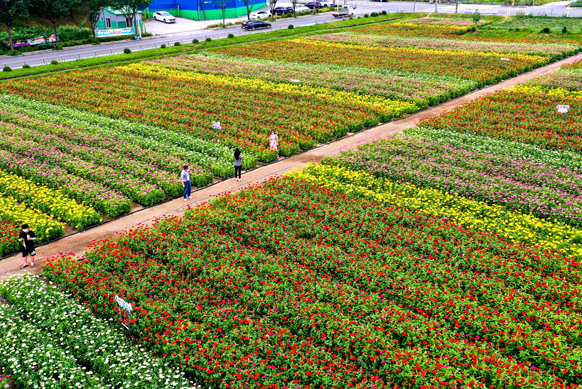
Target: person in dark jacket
[
  {"x": 27, "y": 238},
  {"x": 237, "y": 164}
]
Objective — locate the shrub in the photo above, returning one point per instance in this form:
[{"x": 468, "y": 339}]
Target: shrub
[
  {"x": 54, "y": 62},
  {"x": 127, "y": 50},
  {"x": 195, "y": 41},
  {"x": 366, "y": 15},
  {"x": 7, "y": 69},
  {"x": 384, "y": 13},
  {"x": 26, "y": 66},
  {"x": 476, "y": 17},
  {"x": 373, "y": 14},
  {"x": 546, "y": 30},
  {"x": 208, "y": 39},
  {"x": 163, "y": 46},
  {"x": 565, "y": 30},
  {"x": 177, "y": 43},
  {"x": 290, "y": 26},
  {"x": 231, "y": 35}
]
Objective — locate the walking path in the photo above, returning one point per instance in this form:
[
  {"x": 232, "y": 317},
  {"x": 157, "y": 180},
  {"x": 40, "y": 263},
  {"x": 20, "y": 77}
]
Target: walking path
[{"x": 78, "y": 243}]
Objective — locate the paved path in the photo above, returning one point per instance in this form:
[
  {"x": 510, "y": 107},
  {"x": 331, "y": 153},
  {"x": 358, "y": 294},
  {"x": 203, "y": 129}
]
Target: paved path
[{"x": 78, "y": 243}]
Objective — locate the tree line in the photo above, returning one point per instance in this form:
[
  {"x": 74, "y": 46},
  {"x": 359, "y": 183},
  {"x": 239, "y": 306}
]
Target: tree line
[{"x": 55, "y": 10}]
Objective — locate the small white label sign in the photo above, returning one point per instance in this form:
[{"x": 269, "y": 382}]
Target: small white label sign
[
  {"x": 123, "y": 304},
  {"x": 505, "y": 59},
  {"x": 563, "y": 108}
]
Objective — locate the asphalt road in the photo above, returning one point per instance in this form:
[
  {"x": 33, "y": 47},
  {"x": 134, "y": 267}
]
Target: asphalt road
[{"x": 363, "y": 6}]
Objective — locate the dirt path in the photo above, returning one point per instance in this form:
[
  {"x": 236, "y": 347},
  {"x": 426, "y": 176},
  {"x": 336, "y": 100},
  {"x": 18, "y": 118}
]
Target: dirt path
[{"x": 78, "y": 243}]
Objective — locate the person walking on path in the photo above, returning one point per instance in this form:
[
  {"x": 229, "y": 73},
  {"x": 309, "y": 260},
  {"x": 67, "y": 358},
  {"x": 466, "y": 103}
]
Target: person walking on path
[
  {"x": 185, "y": 178},
  {"x": 274, "y": 141},
  {"x": 27, "y": 238},
  {"x": 237, "y": 164}
]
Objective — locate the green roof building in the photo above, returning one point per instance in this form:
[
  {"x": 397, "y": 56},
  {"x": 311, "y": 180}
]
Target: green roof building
[{"x": 115, "y": 23}]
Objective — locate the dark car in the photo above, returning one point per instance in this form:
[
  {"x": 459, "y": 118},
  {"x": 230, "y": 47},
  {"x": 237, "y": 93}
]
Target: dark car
[
  {"x": 315, "y": 4},
  {"x": 283, "y": 10},
  {"x": 255, "y": 24}
]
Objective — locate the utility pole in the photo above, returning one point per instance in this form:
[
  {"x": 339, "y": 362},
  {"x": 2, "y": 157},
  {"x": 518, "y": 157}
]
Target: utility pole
[
  {"x": 457, "y": 7},
  {"x": 414, "y": 9},
  {"x": 436, "y": 10}
]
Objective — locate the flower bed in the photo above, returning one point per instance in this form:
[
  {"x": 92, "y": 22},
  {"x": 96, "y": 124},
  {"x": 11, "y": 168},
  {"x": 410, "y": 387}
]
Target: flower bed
[
  {"x": 44, "y": 226},
  {"x": 568, "y": 78},
  {"x": 484, "y": 144},
  {"x": 8, "y": 237},
  {"x": 494, "y": 219},
  {"x": 50, "y": 202},
  {"x": 413, "y": 28},
  {"x": 553, "y": 51},
  {"x": 525, "y": 114},
  {"x": 517, "y": 185},
  {"x": 136, "y": 139},
  {"x": 296, "y": 285},
  {"x": 485, "y": 68},
  {"x": 91, "y": 355},
  {"x": 420, "y": 89},
  {"x": 189, "y": 102}
]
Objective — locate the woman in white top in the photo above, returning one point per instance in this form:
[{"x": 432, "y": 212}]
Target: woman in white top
[{"x": 274, "y": 141}]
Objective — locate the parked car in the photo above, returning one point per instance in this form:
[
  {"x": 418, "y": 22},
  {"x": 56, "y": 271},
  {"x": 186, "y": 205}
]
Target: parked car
[
  {"x": 345, "y": 12},
  {"x": 255, "y": 25},
  {"x": 283, "y": 10},
  {"x": 301, "y": 8},
  {"x": 315, "y": 4},
  {"x": 260, "y": 14},
  {"x": 164, "y": 16}
]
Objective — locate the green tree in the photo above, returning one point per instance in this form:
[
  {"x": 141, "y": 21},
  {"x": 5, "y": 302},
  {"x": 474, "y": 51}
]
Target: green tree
[
  {"x": 92, "y": 10},
  {"x": 54, "y": 11},
  {"x": 130, "y": 9},
  {"x": 10, "y": 10},
  {"x": 222, "y": 4}
]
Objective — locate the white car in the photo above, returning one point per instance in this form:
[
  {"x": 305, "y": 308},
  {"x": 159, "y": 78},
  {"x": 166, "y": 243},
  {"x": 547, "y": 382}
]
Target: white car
[
  {"x": 260, "y": 14},
  {"x": 301, "y": 8},
  {"x": 164, "y": 16}
]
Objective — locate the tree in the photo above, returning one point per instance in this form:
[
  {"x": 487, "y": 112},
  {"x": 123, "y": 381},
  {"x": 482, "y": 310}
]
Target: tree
[
  {"x": 130, "y": 9},
  {"x": 10, "y": 10},
  {"x": 54, "y": 10},
  {"x": 250, "y": 4},
  {"x": 272, "y": 5},
  {"x": 92, "y": 9},
  {"x": 222, "y": 4},
  {"x": 294, "y": 2}
]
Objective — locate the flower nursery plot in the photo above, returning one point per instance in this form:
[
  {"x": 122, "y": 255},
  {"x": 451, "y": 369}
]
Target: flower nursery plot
[
  {"x": 554, "y": 51},
  {"x": 485, "y": 68},
  {"x": 419, "y": 27},
  {"x": 189, "y": 102},
  {"x": 525, "y": 186},
  {"x": 420, "y": 89},
  {"x": 291, "y": 284},
  {"x": 525, "y": 114},
  {"x": 91, "y": 354}
]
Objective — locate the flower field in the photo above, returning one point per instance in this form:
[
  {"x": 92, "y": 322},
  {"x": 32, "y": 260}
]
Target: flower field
[
  {"x": 420, "y": 89},
  {"x": 247, "y": 109},
  {"x": 553, "y": 51},
  {"x": 418, "y": 27},
  {"x": 293, "y": 284},
  {"x": 525, "y": 113},
  {"x": 482, "y": 67},
  {"x": 36, "y": 355}
]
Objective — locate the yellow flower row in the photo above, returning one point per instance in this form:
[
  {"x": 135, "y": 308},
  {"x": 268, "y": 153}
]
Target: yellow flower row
[
  {"x": 47, "y": 200},
  {"x": 448, "y": 28},
  {"x": 454, "y": 53},
  {"x": 44, "y": 226},
  {"x": 516, "y": 227},
  {"x": 540, "y": 90},
  {"x": 395, "y": 108}
]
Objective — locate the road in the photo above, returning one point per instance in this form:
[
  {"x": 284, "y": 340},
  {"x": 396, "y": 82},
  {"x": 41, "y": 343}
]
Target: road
[{"x": 363, "y": 6}]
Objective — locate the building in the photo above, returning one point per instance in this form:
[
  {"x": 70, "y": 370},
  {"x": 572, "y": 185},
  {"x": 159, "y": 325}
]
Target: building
[
  {"x": 115, "y": 23},
  {"x": 204, "y": 9}
]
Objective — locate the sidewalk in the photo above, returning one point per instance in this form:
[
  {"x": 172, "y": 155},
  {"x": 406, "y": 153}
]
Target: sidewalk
[{"x": 79, "y": 242}]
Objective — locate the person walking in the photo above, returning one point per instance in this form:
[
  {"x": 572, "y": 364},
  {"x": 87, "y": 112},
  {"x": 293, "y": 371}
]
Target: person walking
[
  {"x": 237, "y": 164},
  {"x": 27, "y": 238},
  {"x": 185, "y": 178},
  {"x": 274, "y": 141}
]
